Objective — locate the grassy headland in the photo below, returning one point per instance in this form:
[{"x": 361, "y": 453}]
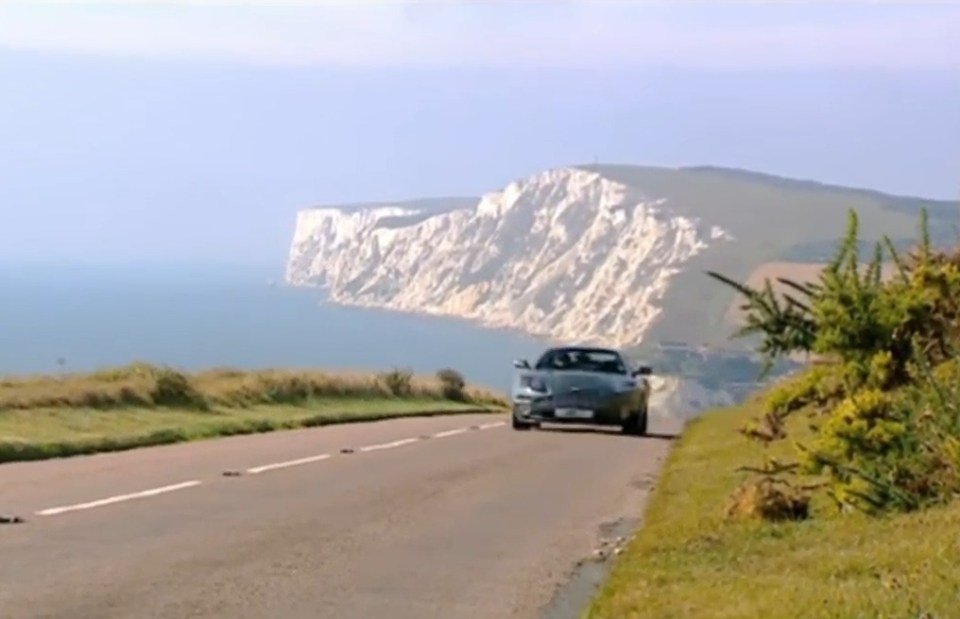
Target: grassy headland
[
  {"x": 833, "y": 494},
  {"x": 141, "y": 405},
  {"x": 780, "y": 222}
]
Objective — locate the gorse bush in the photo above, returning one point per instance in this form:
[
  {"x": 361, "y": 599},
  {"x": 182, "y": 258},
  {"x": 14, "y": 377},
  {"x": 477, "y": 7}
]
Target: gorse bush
[{"x": 883, "y": 401}]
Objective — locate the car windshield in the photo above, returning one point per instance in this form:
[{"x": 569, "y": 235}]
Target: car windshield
[{"x": 582, "y": 360}]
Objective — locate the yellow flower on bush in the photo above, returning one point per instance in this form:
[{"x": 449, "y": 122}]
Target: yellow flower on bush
[
  {"x": 816, "y": 386},
  {"x": 881, "y": 369},
  {"x": 864, "y": 423}
]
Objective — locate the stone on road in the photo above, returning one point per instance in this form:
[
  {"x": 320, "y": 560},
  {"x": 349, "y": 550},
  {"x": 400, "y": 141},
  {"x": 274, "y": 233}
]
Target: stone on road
[{"x": 480, "y": 523}]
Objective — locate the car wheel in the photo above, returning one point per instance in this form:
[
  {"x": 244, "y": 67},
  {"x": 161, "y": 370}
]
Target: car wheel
[
  {"x": 520, "y": 425},
  {"x": 635, "y": 424},
  {"x": 642, "y": 423}
]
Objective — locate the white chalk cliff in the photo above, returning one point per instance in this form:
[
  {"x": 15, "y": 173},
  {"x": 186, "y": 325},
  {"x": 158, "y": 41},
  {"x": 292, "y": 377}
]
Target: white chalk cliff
[{"x": 567, "y": 254}]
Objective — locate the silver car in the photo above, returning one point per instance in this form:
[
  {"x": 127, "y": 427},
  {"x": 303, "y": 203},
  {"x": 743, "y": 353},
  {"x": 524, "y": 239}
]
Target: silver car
[{"x": 582, "y": 385}]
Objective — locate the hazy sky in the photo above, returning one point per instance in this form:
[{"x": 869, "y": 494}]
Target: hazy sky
[{"x": 193, "y": 131}]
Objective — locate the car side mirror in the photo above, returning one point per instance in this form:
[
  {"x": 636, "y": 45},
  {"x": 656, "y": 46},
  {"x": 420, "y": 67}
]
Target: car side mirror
[
  {"x": 643, "y": 370},
  {"x": 521, "y": 364}
]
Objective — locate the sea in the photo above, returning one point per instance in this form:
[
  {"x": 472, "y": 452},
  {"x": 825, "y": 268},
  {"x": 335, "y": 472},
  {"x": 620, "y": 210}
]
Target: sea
[{"x": 72, "y": 318}]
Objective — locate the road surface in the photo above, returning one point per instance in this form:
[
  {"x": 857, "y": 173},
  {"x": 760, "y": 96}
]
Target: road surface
[{"x": 457, "y": 517}]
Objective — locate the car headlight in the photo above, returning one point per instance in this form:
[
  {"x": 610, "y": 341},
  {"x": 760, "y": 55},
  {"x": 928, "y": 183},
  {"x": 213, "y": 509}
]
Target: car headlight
[{"x": 533, "y": 383}]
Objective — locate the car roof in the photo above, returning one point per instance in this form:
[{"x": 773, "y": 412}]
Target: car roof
[{"x": 600, "y": 349}]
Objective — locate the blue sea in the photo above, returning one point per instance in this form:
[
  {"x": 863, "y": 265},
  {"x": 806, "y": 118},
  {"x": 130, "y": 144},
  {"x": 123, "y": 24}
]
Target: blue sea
[{"x": 78, "y": 318}]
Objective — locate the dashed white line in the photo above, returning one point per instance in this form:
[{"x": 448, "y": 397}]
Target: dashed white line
[
  {"x": 282, "y": 465},
  {"x": 53, "y": 511},
  {"x": 391, "y": 445},
  {"x": 399, "y": 443},
  {"x": 449, "y": 433},
  {"x": 495, "y": 424}
]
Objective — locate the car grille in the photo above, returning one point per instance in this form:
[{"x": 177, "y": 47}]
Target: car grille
[{"x": 582, "y": 397}]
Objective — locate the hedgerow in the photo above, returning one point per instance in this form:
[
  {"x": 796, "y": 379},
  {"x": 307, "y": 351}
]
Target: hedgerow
[{"x": 882, "y": 398}]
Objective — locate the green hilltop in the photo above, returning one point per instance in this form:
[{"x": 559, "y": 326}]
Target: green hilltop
[{"x": 771, "y": 219}]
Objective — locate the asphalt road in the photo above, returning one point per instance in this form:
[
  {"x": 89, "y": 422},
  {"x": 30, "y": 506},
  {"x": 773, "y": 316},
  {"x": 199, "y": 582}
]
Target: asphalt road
[{"x": 455, "y": 517}]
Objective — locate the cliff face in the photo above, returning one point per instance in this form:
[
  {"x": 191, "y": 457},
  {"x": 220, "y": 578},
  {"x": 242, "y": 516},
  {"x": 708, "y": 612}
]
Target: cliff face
[
  {"x": 603, "y": 253},
  {"x": 568, "y": 254}
]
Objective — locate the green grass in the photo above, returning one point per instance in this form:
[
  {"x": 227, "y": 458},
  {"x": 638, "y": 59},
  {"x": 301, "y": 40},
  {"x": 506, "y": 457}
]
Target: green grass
[
  {"x": 689, "y": 561},
  {"x": 142, "y": 405}
]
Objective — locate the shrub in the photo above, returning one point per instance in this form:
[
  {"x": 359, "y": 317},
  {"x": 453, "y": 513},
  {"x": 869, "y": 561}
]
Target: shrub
[
  {"x": 888, "y": 437},
  {"x": 814, "y": 388},
  {"x": 174, "y": 388},
  {"x": 452, "y": 384},
  {"x": 399, "y": 382}
]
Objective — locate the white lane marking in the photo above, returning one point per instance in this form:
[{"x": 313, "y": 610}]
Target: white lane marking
[
  {"x": 381, "y": 446},
  {"x": 405, "y": 441},
  {"x": 450, "y": 433},
  {"x": 53, "y": 511},
  {"x": 282, "y": 465},
  {"x": 495, "y": 424}
]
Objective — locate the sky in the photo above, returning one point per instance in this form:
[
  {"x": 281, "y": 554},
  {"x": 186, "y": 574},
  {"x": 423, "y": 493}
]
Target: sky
[{"x": 191, "y": 132}]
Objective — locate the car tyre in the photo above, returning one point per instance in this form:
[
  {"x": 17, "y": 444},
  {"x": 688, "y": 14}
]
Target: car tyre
[
  {"x": 520, "y": 425},
  {"x": 635, "y": 424}
]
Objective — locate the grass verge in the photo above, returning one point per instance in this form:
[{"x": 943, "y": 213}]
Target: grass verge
[
  {"x": 45, "y": 417},
  {"x": 688, "y": 560}
]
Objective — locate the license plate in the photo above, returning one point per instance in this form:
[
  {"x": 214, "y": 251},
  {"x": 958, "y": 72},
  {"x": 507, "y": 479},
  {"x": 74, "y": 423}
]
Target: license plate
[{"x": 574, "y": 413}]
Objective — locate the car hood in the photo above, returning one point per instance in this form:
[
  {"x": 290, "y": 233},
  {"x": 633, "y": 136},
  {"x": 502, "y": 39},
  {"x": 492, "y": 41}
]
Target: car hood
[{"x": 564, "y": 382}]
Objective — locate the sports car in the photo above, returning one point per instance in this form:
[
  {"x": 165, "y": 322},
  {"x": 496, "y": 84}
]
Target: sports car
[{"x": 582, "y": 385}]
